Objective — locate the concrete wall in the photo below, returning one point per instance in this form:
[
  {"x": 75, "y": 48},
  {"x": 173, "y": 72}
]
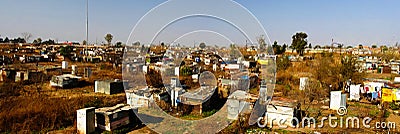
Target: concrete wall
[
  {"x": 20, "y": 76},
  {"x": 64, "y": 65},
  {"x": 115, "y": 88},
  {"x": 7, "y": 75},
  {"x": 303, "y": 83},
  {"x": 136, "y": 100},
  {"x": 335, "y": 100},
  {"x": 101, "y": 86},
  {"x": 113, "y": 118},
  {"x": 108, "y": 87},
  {"x": 85, "y": 120},
  {"x": 235, "y": 107},
  {"x": 280, "y": 113}
]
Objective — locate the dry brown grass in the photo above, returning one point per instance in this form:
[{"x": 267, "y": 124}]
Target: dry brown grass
[
  {"x": 36, "y": 107},
  {"x": 42, "y": 114}
]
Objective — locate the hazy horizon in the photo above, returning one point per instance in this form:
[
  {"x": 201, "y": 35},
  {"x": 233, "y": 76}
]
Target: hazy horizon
[{"x": 348, "y": 22}]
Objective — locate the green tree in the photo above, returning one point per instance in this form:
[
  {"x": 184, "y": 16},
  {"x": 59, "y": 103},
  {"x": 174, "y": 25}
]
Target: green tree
[
  {"x": 37, "y": 41},
  {"x": 49, "y": 42},
  {"x": 278, "y": 49},
  {"x": 389, "y": 54},
  {"x": 118, "y": 44},
  {"x": 109, "y": 38},
  {"x": 325, "y": 71},
  {"x": 202, "y": 45},
  {"x": 340, "y": 46},
  {"x": 349, "y": 69},
  {"x": 284, "y": 48},
  {"x": 299, "y": 42},
  {"x": 374, "y": 46},
  {"x": 360, "y": 46},
  {"x": 234, "y": 52},
  {"x": 384, "y": 48},
  {"x": 6, "y": 40},
  {"x": 137, "y": 43},
  {"x": 66, "y": 51},
  {"x": 283, "y": 63},
  {"x": 317, "y": 46},
  {"x": 185, "y": 70},
  {"x": 84, "y": 42}
]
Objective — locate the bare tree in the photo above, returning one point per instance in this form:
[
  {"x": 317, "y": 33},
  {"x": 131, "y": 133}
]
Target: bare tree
[
  {"x": 26, "y": 36},
  {"x": 261, "y": 42}
]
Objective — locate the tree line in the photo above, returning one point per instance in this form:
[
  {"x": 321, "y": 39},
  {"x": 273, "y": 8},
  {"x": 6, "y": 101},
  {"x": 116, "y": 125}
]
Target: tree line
[
  {"x": 26, "y": 36},
  {"x": 15, "y": 40}
]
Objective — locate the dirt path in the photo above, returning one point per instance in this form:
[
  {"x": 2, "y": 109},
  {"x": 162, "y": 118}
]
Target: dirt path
[{"x": 396, "y": 119}]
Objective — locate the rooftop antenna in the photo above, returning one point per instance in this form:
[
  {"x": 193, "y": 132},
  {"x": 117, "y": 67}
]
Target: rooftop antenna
[{"x": 87, "y": 26}]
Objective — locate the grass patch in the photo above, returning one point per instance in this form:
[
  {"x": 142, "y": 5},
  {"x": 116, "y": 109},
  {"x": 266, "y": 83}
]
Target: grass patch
[
  {"x": 386, "y": 114},
  {"x": 374, "y": 113},
  {"x": 394, "y": 106},
  {"x": 357, "y": 104},
  {"x": 191, "y": 117},
  {"x": 282, "y": 131},
  {"x": 253, "y": 91},
  {"x": 209, "y": 113},
  {"x": 257, "y": 130}
]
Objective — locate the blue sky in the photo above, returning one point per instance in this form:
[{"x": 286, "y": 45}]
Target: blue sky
[{"x": 346, "y": 21}]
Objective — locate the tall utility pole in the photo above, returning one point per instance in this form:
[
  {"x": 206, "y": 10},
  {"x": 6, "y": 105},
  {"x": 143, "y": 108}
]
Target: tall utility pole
[{"x": 87, "y": 26}]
